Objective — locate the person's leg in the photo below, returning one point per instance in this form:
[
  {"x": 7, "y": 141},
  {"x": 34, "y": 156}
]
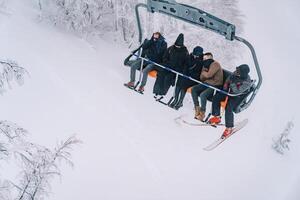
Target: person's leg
[
  {"x": 181, "y": 98},
  {"x": 216, "y": 118},
  {"x": 232, "y": 103},
  {"x": 168, "y": 81},
  {"x": 204, "y": 96},
  {"x": 229, "y": 117},
  {"x": 176, "y": 97},
  {"x": 157, "y": 85},
  {"x": 134, "y": 66},
  {"x": 216, "y": 103},
  {"x": 196, "y": 91},
  {"x": 148, "y": 68},
  {"x": 182, "y": 95},
  {"x": 157, "y": 88}
]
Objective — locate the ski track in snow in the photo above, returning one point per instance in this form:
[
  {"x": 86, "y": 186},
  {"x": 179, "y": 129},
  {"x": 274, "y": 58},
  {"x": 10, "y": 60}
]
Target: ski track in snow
[{"x": 132, "y": 147}]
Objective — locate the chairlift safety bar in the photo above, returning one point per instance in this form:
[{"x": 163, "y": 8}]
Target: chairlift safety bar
[{"x": 188, "y": 77}]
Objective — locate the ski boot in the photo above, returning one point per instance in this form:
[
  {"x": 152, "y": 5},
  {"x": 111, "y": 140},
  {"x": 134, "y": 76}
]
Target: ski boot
[
  {"x": 199, "y": 114},
  {"x": 141, "y": 89},
  {"x": 227, "y": 132},
  {"x": 178, "y": 105},
  {"x": 173, "y": 104},
  {"x": 214, "y": 120},
  {"x": 130, "y": 84}
]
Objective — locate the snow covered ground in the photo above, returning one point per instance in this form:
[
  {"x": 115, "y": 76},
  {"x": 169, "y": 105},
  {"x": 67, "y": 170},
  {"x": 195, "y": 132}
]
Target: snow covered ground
[{"x": 132, "y": 147}]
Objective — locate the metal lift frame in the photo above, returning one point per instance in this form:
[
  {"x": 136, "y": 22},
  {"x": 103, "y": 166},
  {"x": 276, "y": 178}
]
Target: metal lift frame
[{"x": 205, "y": 20}]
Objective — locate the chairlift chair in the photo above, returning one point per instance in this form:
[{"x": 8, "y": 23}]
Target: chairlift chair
[{"x": 207, "y": 21}]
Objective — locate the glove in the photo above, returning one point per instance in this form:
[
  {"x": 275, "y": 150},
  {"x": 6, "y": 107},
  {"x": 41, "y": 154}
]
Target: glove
[{"x": 226, "y": 86}]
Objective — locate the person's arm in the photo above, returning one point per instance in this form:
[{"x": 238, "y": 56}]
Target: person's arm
[
  {"x": 213, "y": 69},
  {"x": 227, "y": 83},
  {"x": 162, "y": 52},
  {"x": 163, "y": 48},
  {"x": 241, "y": 86},
  {"x": 147, "y": 43},
  {"x": 185, "y": 65},
  {"x": 166, "y": 57}
]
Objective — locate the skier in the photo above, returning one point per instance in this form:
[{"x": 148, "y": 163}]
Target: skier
[
  {"x": 211, "y": 74},
  {"x": 174, "y": 58},
  {"x": 238, "y": 83},
  {"x": 192, "y": 69},
  {"x": 154, "y": 50}
]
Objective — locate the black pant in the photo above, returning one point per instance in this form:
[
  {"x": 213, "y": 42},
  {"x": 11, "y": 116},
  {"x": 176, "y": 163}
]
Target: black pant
[
  {"x": 163, "y": 82},
  {"x": 232, "y": 103},
  {"x": 179, "y": 96}
]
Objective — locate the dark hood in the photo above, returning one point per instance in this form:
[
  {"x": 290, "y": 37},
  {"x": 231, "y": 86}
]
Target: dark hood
[
  {"x": 198, "y": 51},
  {"x": 244, "y": 71},
  {"x": 180, "y": 40}
]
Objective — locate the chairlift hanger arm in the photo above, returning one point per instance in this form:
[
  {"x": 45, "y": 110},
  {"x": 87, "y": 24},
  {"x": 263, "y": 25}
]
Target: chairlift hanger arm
[
  {"x": 138, "y": 19},
  {"x": 199, "y": 18},
  {"x": 192, "y": 15},
  {"x": 240, "y": 39}
]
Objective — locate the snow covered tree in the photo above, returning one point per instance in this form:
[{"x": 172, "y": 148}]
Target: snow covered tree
[
  {"x": 125, "y": 19},
  {"x": 81, "y": 16},
  {"x": 281, "y": 144},
  {"x": 116, "y": 19},
  {"x": 11, "y": 141},
  {"x": 5, "y": 189},
  {"x": 10, "y": 71},
  {"x": 12, "y": 137},
  {"x": 38, "y": 164}
]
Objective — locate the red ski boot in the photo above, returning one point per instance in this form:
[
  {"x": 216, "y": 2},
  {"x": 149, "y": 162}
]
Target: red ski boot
[
  {"x": 227, "y": 132},
  {"x": 214, "y": 120}
]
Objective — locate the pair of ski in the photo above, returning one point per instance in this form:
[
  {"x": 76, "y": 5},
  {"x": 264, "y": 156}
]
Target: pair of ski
[{"x": 238, "y": 126}]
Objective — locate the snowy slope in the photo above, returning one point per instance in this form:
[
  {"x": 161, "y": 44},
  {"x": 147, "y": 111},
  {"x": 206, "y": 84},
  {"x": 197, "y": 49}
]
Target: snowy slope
[{"x": 132, "y": 147}]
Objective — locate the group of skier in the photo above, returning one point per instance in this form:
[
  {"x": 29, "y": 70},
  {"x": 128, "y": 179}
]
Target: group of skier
[{"x": 197, "y": 65}]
